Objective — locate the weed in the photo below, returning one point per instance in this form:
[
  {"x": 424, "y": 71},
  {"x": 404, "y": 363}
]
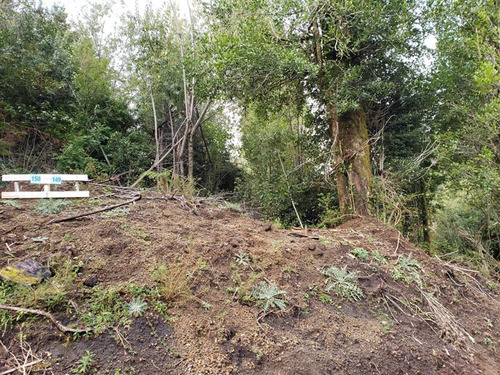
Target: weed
[
  {"x": 117, "y": 212},
  {"x": 269, "y": 296},
  {"x": 325, "y": 241},
  {"x": 206, "y": 305},
  {"x": 203, "y": 265},
  {"x": 406, "y": 269},
  {"x": 8, "y": 202},
  {"x": 488, "y": 342},
  {"x": 489, "y": 322},
  {"x": 242, "y": 259},
  {"x": 379, "y": 257},
  {"x": 359, "y": 253},
  {"x": 84, "y": 364},
  {"x": 136, "y": 307},
  {"x": 343, "y": 283},
  {"x": 51, "y": 206},
  {"x": 325, "y": 298},
  {"x": 233, "y": 207},
  {"x": 107, "y": 309},
  {"x": 172, "y": 281},
  {"x": 287, "y": 271}
]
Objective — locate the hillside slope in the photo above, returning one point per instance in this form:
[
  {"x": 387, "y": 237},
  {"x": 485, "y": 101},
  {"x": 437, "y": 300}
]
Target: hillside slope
[{"x": 170, "y": 288}]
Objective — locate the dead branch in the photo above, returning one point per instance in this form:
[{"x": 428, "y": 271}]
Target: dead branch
[
  {"x": 135, "y": 199},
  {"x": 22, "y": 367},
  {"x": 49, "y": 316},
  {"x": 9, "y": 230}
]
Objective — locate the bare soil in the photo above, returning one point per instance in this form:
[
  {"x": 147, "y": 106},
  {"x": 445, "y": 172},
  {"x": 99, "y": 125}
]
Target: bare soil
[{"x": 393, "y": 329}]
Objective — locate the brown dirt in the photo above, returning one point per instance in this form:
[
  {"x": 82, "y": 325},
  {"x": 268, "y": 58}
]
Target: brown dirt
[{"x": 390, "y": 331}]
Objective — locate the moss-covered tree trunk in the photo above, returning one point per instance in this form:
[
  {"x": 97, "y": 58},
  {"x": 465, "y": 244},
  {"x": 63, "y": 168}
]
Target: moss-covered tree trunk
[{"x": 352, "y": 156}]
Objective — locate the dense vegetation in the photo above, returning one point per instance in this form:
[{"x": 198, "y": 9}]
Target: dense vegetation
[{"x": 343, "y": 109}]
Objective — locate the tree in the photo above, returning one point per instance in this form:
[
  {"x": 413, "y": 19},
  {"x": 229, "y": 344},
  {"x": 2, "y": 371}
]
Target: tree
[
  {"x": 161, "y": 48},
  {"x": 36, "y": 69},
  {"x": 339, "y": 57},
  {"x": 467, "y": 81}
]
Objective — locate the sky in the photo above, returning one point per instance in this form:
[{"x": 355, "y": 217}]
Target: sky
[{"x": 74, "y": 7}]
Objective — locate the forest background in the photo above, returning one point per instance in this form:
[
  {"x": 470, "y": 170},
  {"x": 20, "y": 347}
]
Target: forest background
[{"x": 310, "y": 112}]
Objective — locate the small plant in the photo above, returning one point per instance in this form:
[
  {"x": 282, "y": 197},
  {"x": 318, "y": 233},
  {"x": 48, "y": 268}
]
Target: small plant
[
  {"x": 359, "y": 253},
  {"x": 379, "y": 257},
  {"x": 173, "y": 281},
  {"x": 117, "y": 212},
  {"x": 136, "y": 307},
  {"x": 325, "y": 241},
  {"x": 234, "y": 207},
  {"x": 84, "y": 364},
  {"x": 206, "y": 305},
  {"x": 325, "y": 298},
  {"x": 269, "y": 296},
  {"x": 287, "y": 271},
  {"x": 242, "y": 259},
  {"x": 406, "y": 269},
  {"x": 51, "y": 206},
  {"x": 8, "y": 202},
  {"x": 343, "y": 283}
]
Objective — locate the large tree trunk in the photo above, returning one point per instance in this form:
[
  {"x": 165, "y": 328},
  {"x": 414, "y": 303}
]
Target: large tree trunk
[{"x": 352, "y": 155}]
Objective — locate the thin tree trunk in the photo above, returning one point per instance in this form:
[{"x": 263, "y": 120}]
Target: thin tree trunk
[
  {"x": 157, "y": 137},
  {"x": 190, "y": 156},
  {"x": 424, "y": 212}
]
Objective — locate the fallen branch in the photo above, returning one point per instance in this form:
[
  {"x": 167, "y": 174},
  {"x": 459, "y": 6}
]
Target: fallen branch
[
  {"x": 108, "y": 208},
  {"x": 22, "y": 367},
  {"x": 58, "y": 324}
]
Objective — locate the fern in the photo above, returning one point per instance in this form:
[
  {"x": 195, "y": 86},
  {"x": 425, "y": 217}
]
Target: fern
[
  {"x": 343, "y": 283},
  {"x": 269, "y": 296}
]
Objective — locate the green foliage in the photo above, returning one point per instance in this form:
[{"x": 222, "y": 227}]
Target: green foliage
[
  {"x": 379, "y": 257},
  {"x": 407, "y": 269},
  {"x": 269, "y": 296},
  {"x": 11, "y": 203},
  {"x": 279, "y": 165},
  {"x": 467, "y": 117},
  {"x": 359, "y": 253},
  {"x": 107, "y": 308},
  {"x": 84, "y": 364},
  {"x": 343, "y": 283},
  {"x": 51, "y": 206}
]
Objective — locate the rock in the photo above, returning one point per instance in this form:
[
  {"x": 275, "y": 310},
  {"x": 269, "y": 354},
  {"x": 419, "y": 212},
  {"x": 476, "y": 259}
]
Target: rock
[
  {"x": 311, "y": 246},
  {"x": 267, "y": 227},
  {"x": 91, "y": 281},
  {"x": 27, "y": 272}
]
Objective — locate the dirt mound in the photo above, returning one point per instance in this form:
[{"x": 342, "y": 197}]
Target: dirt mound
[{"x": 195, "y": 270}]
